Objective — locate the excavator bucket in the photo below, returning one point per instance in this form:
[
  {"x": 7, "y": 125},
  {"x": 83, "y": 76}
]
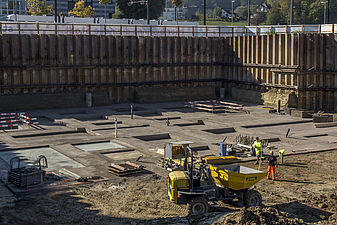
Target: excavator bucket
[{"x": 236, "y": 177}]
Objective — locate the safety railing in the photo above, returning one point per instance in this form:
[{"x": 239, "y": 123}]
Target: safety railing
[{"x": 158, "y": 30}]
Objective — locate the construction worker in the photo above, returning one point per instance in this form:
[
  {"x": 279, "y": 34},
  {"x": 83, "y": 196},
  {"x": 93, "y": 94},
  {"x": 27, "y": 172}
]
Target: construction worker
[
  {"x": 257, "y": 145},
  {"x": 272, "y": 162},
  {"x": 281, "y": 154}
]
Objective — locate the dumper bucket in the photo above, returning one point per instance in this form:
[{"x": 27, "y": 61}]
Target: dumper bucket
[{"x": 236, "y": 177}]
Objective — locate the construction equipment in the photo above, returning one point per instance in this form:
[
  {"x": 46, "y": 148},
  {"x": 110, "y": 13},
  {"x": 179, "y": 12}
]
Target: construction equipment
[
  {"x": 202, "y": 183},
  {"x": 174, "y": 154},
  {"x": 27, "y": 176}
]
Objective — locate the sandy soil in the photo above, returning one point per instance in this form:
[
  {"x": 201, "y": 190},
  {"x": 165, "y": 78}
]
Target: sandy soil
[{"x": 305, "y": 193}]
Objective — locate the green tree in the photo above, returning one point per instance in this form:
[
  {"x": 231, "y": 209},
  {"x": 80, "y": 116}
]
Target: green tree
[
  {"x": 39, "y": 8},
  {"x": 305, "y": 12},
  {"x": 260, "y": 17},
  {"x": 217, "y": 12},
  {"x": 138, "y": 11},
  {"x": 104, "y": 2},
  {"x": 176, "y": 4},
  {"x": 242, "y": 12},
  {"x": 275, "y": 16},
  {"x": 81, "y": 10}
]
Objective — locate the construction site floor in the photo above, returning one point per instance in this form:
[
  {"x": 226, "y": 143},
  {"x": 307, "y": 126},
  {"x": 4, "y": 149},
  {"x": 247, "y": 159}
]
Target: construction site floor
[{"x": 82, "y": 142}]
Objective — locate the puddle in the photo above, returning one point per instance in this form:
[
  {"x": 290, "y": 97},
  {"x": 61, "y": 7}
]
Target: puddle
[
  {"x": 98, "y": 146},
  {"x": 55, "y": 159},
  {"x": 221, "y": 130},
  {"x": 49, "y": 134},
  {"x": 153, "y": 137}
]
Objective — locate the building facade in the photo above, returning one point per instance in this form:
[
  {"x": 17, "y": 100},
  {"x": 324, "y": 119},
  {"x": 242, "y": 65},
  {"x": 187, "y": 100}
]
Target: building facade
[
  {"x": 7, "y": 7},
  {"x": 168, "y": 13}
]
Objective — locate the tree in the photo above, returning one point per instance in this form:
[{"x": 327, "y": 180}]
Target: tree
[
  {"x": 176, "y": 4},
  {"x": 217, "y": 12},
  {"x": 242, "y": 12},
  {"x": 274, "y": 15},
  {"x": 39, "y": 8},
  {"x": 138, "y": 10},
  {"x": 104, "y": 2},
  {"x": 259, "y": 18},
  {"x": 81, "y": 10}
]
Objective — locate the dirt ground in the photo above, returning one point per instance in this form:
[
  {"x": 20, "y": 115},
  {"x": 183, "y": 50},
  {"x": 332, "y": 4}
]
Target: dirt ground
[{"x": 305, "y": 192}]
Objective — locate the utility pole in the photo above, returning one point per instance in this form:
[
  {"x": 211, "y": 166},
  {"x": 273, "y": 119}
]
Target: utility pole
[
  {"x": 205, "y": 12},
  {"x": 55, "y": 3},
  {"x": 233, "y": 12},
  {"x": 15, "y": 11},
  {"x": 328, "y": 12},
  {"x": 291, "y": 12},
  {"x": 248, "y": 5},
  {"x": 148, "y": 11},
  {"x": 324, "y": 13}
]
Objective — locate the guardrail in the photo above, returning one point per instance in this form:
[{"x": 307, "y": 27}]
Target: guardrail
[{"x": 158, "y": 30}]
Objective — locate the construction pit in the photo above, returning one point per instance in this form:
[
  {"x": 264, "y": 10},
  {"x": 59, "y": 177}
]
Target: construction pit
[{"x": 83, "y": 143}]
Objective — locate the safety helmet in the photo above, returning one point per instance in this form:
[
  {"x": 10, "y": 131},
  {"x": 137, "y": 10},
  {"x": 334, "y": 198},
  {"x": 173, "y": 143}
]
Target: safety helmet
[{"x": 271, "y": 152}]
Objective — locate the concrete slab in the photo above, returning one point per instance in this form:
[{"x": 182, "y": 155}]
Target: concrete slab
[
  {"x": 99, "y": 146},
  {"x": 55, "y": 159},
  {"x": 122, "y": 156}
]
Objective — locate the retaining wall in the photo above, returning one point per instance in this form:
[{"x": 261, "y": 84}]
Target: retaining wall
[{"x": 62, "y": 68}]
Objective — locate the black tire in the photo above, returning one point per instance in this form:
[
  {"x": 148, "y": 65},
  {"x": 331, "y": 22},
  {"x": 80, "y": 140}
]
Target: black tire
[
  {"x": 198, "y": 206},
  {"x": 252, "y": 198}
]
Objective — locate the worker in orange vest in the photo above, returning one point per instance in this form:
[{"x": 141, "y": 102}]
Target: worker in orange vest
[{"x": 272, "y": 162}]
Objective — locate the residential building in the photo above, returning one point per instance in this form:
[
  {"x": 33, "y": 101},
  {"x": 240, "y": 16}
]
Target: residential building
[
  {"x": 226, "y": 14},
  {"x": 8, "y": 7},
  {"x": 264, "y": 7}
]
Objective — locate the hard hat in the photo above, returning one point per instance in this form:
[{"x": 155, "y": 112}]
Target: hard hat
[{"x": 271, "y": 152}]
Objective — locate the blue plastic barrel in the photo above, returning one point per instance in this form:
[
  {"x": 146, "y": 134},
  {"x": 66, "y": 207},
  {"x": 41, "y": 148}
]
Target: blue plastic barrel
[{"x": 223, "y": 149}]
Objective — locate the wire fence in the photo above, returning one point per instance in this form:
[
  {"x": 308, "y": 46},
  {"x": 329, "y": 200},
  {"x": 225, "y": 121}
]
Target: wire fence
[{"x": 158, "y": 30}]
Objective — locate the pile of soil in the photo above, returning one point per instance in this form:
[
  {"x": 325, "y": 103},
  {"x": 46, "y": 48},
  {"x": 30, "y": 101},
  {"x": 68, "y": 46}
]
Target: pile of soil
[
  {"x": 324, "y": 201},
  {"x": 147, "y": 199},
  {"x": 267, "y": 215}
]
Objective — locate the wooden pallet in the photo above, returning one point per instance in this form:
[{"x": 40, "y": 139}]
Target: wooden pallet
[{"x": 125, "y": 169}]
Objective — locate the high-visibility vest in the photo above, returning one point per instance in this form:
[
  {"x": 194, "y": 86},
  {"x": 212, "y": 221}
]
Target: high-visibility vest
[
  {"x": 258, "y": 146},
  {"x": 282, "y": 152}
]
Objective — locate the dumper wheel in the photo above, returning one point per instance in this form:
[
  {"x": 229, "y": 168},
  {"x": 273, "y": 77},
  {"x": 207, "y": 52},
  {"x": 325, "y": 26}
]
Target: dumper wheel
[
  {"x": 198, "y": 206},
  {"x": 252, "y": 198}
]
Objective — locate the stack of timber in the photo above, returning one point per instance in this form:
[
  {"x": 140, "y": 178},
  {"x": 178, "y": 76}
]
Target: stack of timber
[
  {"x": 125, "y": 169},
  {"x": 214, "y": 106}
]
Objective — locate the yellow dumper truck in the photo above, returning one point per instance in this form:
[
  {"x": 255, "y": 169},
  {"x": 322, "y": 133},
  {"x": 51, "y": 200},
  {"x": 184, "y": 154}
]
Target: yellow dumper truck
[{"x": 204, "y": 183}]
